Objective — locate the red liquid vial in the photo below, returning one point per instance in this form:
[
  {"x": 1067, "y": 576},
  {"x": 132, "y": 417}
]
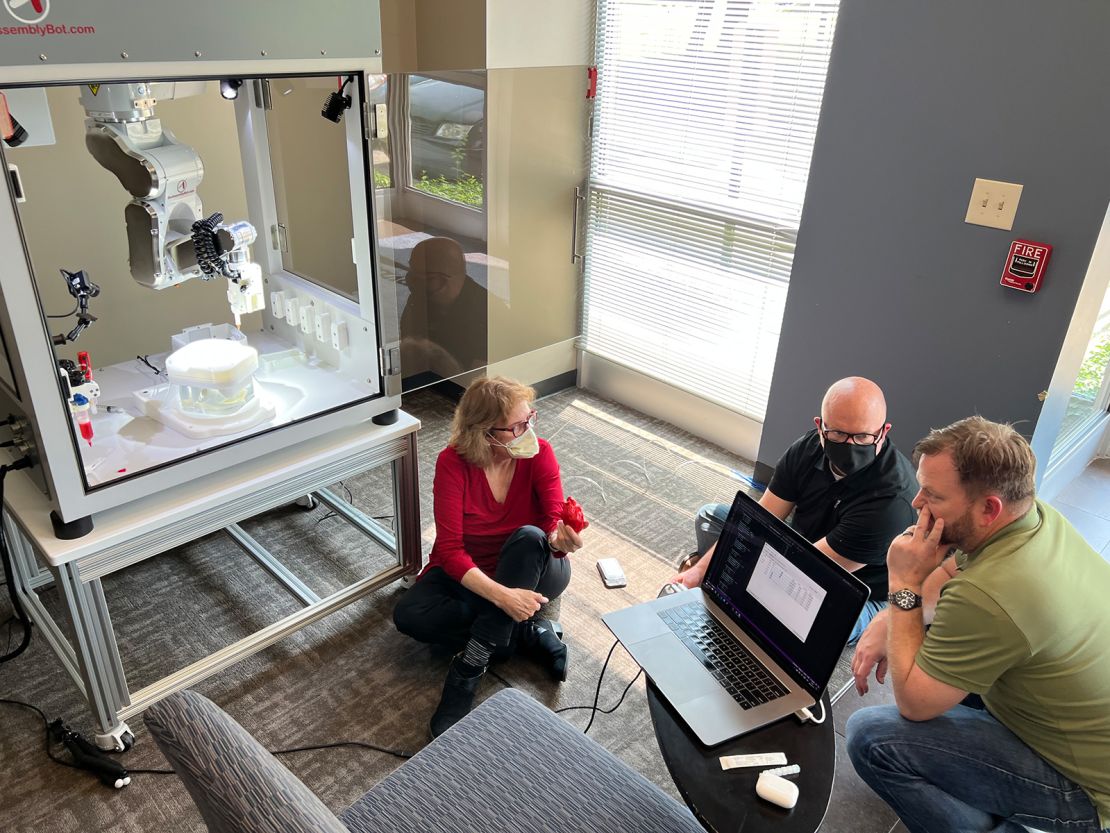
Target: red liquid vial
[{"x": 80, "y": 408}]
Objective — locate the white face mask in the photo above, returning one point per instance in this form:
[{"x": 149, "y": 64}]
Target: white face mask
[{"x": 522, "y": 447}]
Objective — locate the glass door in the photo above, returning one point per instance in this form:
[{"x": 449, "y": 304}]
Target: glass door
[{"x": 1090, "y": 396}]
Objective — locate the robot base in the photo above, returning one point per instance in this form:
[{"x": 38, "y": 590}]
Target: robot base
[{"x": 69, "y": 530}]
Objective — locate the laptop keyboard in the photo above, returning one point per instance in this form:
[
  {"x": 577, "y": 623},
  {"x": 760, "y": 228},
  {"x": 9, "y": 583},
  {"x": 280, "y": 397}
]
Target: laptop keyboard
[{"x": 733, "y": 665}]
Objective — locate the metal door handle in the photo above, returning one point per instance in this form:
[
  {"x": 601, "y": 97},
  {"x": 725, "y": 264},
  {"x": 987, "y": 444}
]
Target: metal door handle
[{"x": 578, "y": 197}]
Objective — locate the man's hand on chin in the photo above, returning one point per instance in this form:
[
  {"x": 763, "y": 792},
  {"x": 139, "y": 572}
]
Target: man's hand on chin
[{"x": 916, "y": 553}]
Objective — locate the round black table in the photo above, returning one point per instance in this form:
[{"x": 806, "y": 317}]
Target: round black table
[{"x": 724, "y": 801}]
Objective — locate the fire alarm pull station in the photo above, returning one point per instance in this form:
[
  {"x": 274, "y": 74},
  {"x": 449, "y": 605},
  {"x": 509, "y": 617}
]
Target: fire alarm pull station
[{"x": 1025, "y": 265}]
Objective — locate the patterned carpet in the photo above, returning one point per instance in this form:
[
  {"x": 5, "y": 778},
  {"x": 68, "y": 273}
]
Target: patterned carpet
[{"x": 352, "y": 676}]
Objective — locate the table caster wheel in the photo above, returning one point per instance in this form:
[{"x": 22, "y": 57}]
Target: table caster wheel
[
  {"x": 307, "y": 503},
  {"x": 119, "y": 740}
]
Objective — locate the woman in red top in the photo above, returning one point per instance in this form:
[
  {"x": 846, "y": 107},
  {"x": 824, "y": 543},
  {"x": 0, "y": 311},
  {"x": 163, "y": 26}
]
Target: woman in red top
[{"x": 500, "y": 548}]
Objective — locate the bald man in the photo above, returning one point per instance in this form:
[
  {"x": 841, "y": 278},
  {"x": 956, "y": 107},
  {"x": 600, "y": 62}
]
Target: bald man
[{"x": 850, "y": 489}]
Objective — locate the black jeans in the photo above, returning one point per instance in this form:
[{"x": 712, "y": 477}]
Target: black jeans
[{"x": 441, "y": 611}]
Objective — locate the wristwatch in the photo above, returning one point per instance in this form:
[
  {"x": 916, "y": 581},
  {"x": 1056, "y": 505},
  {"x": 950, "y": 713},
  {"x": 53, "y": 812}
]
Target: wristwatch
[{"x": 905, "y": 599}]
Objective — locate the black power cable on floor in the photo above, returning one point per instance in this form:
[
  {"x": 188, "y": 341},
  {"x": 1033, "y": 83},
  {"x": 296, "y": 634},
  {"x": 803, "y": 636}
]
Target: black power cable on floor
[
  {"x": 397, "y": 753},
  {"x": 594, "y": 710},
  {"x": 46, "y": 727},
  {"x": 54, "y": 731}
]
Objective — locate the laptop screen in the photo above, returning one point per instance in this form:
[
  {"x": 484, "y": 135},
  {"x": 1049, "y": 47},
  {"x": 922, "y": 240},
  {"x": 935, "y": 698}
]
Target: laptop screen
[{"x": 784, "y": 593}]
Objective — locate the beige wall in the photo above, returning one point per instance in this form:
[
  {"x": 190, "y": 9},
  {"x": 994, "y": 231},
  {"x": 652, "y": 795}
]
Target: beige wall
[
  {"x": 539, "y": 33},
  {"x": 544, "y": 363},
  {"x": 537, "y": 155},
  {"x": 398, "y": 35},
  {"x": 450, "y": 34},
  {"x": 73, "y": 219},
  {"x": 425, "y": 35}
]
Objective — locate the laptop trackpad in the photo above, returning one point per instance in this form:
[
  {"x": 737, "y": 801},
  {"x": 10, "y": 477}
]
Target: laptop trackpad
[{"x": 674, "y": 669}]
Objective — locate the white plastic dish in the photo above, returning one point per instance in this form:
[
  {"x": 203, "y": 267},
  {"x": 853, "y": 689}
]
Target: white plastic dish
[{"x": 213, "y": 363}]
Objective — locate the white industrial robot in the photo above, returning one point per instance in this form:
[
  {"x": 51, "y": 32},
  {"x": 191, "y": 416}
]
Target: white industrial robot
[{"x": 169, "y": 238}]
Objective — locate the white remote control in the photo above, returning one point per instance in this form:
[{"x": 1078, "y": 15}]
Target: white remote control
[
  {"x": 777, "y": 790},
  {"x": 760, "y": 759},
  {"x": 793, "y": 769}
]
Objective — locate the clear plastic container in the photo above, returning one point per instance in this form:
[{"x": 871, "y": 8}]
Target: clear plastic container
[
  {"x": 213, "y": 401},
  {"x": 213, "y": 376}
]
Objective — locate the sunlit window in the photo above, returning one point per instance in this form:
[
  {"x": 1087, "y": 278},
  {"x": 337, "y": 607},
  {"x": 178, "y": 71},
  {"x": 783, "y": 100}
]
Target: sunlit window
[
  {"x": 447, "y": 136},
  {"x": 703, "y": 130}
]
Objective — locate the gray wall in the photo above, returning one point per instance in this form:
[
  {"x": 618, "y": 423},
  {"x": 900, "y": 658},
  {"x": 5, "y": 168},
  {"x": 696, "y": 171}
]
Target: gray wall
[{"x": 888, "y": 280}]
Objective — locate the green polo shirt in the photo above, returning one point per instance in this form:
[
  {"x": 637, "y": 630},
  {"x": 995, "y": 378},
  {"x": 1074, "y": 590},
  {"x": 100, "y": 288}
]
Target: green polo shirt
[{"x": 1026, "y": 624}]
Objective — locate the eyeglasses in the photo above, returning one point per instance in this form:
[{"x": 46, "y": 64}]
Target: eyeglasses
[
  {"x": 862, "y": 438},
  {"x": 518, "y": 428}
]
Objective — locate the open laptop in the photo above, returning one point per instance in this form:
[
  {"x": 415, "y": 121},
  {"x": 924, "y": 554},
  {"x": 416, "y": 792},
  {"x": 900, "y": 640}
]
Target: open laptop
[{"x": 760, "y": 638}]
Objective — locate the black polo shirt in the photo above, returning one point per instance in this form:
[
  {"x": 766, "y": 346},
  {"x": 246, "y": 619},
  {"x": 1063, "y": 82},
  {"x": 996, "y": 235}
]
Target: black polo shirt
[{"x": 859, "y": 514}]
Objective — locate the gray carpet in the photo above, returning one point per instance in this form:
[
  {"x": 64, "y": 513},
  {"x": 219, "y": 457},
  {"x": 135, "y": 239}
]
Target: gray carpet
[{"x": 352, "y": 676}]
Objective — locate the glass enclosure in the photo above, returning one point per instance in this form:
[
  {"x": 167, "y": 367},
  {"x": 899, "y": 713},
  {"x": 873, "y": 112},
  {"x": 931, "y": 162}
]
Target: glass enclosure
[
  {"x": 469, "y": 177},
  {"x": 201, "y": 253},
  {"x": 475, "y": 174},
  {"x": 309, "y": 157}
]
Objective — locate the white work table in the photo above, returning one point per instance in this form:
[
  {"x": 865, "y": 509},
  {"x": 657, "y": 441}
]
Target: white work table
[{"x": 146, "y": 527}]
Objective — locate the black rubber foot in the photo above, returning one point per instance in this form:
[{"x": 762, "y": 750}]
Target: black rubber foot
[
  {"x": 68, "y": 530},
  {"x": 388, "y": 418}
]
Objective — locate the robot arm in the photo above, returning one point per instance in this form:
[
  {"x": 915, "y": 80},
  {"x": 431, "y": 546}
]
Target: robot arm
[{"x": 169, "y": 238}]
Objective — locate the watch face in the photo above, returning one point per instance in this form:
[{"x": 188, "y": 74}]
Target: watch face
[{"x": 905, "y": 599}]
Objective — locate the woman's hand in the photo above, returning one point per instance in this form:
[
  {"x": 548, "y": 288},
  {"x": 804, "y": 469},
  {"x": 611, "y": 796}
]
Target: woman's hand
[
  {"x": 564, "y": 539},
  {"x": 520, "y": 604}
]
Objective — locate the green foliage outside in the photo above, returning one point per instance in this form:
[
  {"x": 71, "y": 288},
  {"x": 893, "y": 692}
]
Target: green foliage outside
[
  {"x": 1089, "y": 380},
  {"x": 467, "y": 189}
]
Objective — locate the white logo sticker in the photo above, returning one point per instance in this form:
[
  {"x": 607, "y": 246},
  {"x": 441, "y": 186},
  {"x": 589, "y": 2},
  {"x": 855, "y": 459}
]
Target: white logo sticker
[{"x": 28, "y": 11}]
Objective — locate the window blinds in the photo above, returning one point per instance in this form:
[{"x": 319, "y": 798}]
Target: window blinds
[{"x": 703, "y": 130}]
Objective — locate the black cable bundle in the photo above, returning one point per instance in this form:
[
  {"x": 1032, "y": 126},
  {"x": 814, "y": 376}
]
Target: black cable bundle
[
  {"x": 207, "y": 247},
  {"x": 86, "y": 756}
]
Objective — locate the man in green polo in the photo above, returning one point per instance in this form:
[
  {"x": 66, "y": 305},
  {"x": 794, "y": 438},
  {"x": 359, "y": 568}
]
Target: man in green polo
[{"x": 1023, "y": 621}]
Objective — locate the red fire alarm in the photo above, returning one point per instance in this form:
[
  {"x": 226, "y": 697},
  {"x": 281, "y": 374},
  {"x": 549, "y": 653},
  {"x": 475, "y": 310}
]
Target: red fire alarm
[{"x": 1025, "y": 265}]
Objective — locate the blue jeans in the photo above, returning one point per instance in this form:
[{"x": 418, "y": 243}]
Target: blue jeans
[
  {"x": 963, "y": 772},
  {"x": 710, "y": 521}
]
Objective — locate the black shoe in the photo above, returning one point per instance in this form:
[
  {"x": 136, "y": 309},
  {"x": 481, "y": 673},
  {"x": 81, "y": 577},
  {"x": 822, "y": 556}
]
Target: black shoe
[
  {"x": 458, "y": 696},
  {"x": 539, "y": 638}
]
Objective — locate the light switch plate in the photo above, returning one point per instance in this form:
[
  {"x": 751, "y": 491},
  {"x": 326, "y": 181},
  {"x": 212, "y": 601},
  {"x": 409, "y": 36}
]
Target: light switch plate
[{"x": 993, "y": 204}]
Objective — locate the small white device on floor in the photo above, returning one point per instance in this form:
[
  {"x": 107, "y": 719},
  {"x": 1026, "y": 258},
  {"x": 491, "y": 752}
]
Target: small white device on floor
[
  {"x": 777, "y": 790},
  {"x": 611, "y": 573}
]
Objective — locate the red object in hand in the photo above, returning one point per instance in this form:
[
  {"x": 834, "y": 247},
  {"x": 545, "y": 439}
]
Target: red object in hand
[{"x": 572, "y": 515}]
